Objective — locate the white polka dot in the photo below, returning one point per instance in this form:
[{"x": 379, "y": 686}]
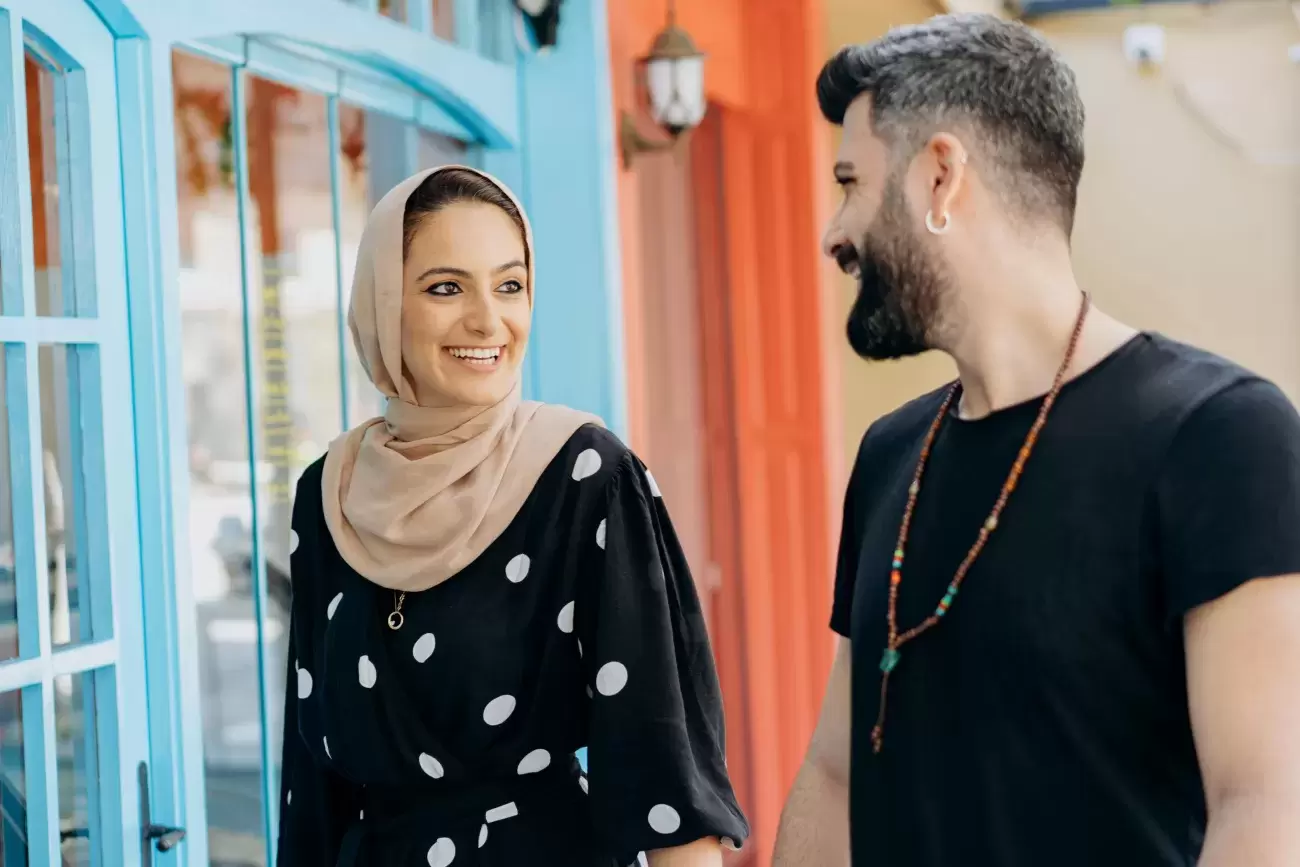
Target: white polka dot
[
  {"x": 333, "y": 606},
  {"x": 505, "y": 811},
  {"x": 537, "y": 760},
  {"x": 482, "y": 836},
  {"x": 431, "y": 766},
  {"x": 326, "y": 742},
  {"x": 424, "y": 647},
  {"x": 611, "y": 678},
  {"x": 293, "y": 541},
  {"x": 304, "y": 683},
  {"x": 288, "y": 799},
  {"x": 654, "y": 486},
  {"x": 664, "y": 819},
  {"x": 579, "y": 647},
  {"x": 590, "y": 694},
  {"x": 498, "y": 710},
  {"x": 565, "y": 620},
  {"x": 362, "y": 817},
  {"x": 442, "y": 853},
  {"x": 366, "y": 673},
  {"x": 517, "y": 568},
  {"x": 600, "y": 534},
  {"x": 582, "y": 781},
  {"x": 587, "y": 465},
  {"x": 730, "y": 845}
]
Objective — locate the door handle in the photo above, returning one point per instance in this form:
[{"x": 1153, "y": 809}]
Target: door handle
[
  {"x": 165, "y": 836},
  {"x": 162, "y": 838}
]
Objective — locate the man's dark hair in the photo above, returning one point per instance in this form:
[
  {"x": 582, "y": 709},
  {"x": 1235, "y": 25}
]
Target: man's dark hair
[{"x": 998, "y": 79}]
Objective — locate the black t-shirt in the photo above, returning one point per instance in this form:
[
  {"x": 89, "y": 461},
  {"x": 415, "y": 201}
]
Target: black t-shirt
[{"x": 1044, "y": 721}]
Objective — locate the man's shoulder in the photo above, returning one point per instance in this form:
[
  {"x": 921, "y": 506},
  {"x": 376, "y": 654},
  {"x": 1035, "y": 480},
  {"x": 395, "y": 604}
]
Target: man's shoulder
[
  {"x": 900, "y": 429},
  {"x": 897, "y": 433},
  {"x": 1180, "y": 381}
]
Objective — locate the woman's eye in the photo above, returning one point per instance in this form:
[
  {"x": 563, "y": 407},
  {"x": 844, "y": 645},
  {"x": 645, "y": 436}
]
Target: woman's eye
[
  {"x": 512, "y": 287},
  {"x": 447, "y": 288}
]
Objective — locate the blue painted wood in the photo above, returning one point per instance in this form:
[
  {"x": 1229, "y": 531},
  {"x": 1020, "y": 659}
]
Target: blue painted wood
[
  {"x": 570, "y": 179},
  {"x": 466, "y": 19},
  {"x": 105, "y": 501},
  {"x": 17, "y": 279},
  {"x": 41, "y": 776},
  {"x": 42, "y": 329},
  {"x": 477, "y": 91},
  {"x": 419, "y": 16},
  {"x": 239, "y": 114},
  {"x": 166, "y": 646}
]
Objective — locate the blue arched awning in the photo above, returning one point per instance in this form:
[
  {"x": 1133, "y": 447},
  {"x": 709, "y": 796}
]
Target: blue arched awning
[{"x": 477, "y": 94}]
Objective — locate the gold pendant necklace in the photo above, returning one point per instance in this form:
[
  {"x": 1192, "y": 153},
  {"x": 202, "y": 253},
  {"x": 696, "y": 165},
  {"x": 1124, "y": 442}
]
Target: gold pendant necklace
[{"x": 396, "y": 619}]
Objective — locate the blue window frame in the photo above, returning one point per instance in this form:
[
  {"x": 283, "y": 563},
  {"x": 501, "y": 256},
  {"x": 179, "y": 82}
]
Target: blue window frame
[{"x": 73, "y": 724}]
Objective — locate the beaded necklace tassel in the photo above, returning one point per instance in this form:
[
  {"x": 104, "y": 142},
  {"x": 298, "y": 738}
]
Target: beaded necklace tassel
[{"x": 893, "y": 648}]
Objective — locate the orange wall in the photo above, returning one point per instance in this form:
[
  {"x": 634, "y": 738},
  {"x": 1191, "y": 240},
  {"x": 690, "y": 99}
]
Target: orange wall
[{"x": 769, "y": 431}]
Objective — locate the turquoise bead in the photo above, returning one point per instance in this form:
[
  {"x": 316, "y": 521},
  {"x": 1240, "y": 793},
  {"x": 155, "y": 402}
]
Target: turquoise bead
[{"x": 889, "y": 659}]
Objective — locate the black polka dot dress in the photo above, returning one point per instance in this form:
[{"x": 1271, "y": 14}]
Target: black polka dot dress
[{"x": 450, "y": 742}]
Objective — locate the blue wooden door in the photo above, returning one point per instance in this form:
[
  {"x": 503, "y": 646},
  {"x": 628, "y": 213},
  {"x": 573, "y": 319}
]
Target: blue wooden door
[{"x": 73, "y": 711}]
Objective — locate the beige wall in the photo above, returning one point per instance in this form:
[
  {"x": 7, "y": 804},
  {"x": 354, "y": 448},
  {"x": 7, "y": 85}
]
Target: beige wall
[{"x": 1189, "y": 215}]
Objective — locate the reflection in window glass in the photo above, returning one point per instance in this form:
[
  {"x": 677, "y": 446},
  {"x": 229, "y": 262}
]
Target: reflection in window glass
[
  {"x": 220, "y": 504},
  {"x": 395, "y": 9},
  {"x": 13, "y": 783},
  {"x": 433, "y": 149},
  {"x": 48, "y": 157},
  {"x": 444, "y": 19},
  {"x": 356, "y": 198},
  {"x": 68, "y": 382},
  {"x": 78, "y": 762},
  {"x": 8, "y": 589},
  {"x": 295, "y": 313}
]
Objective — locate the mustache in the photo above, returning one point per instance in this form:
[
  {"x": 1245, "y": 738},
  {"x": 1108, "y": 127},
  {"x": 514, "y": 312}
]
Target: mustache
[{"x": 846, "y": 257}]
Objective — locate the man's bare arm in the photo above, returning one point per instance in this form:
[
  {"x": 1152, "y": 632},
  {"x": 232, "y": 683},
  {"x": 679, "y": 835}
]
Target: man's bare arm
[
  {"x": 1243, "y": 679},
  {"x": 814, "y": 828}
]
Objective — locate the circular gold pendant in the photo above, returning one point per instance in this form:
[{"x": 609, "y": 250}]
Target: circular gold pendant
[{"x": 395, "y": 620}]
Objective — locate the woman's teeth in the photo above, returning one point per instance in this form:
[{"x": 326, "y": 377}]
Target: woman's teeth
[{"x": 474, "y": 355}]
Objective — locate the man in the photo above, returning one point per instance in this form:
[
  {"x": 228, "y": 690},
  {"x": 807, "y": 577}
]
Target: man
[{"x": 1104, "y": 573}]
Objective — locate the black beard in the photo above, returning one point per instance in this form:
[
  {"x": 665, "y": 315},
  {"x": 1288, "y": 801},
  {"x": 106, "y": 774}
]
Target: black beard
[{"x": 899, "y": 289}]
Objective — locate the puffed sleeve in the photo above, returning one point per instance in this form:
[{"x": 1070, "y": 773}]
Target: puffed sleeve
[
  {"x": 316, "y": 805},
  {"x": 657, "y": 766}
]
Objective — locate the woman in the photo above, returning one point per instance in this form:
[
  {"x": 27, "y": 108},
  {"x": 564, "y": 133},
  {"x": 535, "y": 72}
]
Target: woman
[{"x": 483, "y": 585}]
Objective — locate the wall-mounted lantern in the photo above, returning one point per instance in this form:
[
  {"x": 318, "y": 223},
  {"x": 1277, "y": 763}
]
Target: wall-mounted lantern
[
  {"x": 674, "y": 81},
  {"x": 543, "y": 17}
]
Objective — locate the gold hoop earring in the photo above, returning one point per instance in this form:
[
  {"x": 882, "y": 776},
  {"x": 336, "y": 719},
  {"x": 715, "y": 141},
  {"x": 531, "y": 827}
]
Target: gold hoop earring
[{"x": 937, "y": 230}]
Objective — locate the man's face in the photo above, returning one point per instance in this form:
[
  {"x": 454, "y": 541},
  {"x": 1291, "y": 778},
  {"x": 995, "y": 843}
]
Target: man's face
[{"x": 877, "y": 237}]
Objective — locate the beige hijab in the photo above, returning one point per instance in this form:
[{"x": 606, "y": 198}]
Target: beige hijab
[{"x": 415, "y": 496}]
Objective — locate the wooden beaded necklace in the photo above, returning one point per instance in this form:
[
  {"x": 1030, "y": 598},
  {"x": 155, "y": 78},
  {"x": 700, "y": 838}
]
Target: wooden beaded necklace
[{"x": 889, "y": 659}]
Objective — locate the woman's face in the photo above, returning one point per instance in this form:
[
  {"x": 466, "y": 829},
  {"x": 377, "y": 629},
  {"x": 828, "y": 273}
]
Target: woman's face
[{"x": 465, "y": 306}]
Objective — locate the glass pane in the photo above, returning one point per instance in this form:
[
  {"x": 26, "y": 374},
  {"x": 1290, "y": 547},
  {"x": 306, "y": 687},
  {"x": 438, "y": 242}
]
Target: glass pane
[
  {"x": 78, "y": 761},
  {"x": 49, "y": 156},
  {"x": 220, "y": 511},
  {"x": 8, "y": 599},
  {"x": 67, "y": 375},
  {"x": 295, "y": 305},
  {"x": 395, "y": 9},
  {"x": 356, "y": 198},
  {"x": 433, "y": 149},
  {"x": 13, "y": 783},
  {"x": 444, "y": 19}
]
